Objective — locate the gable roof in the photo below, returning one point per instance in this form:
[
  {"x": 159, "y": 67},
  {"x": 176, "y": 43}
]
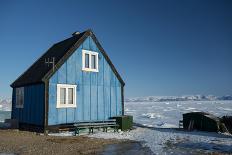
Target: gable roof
[{"x": 40, "y": 72}]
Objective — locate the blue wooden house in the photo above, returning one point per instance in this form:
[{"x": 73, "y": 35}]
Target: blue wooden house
[{"x": 74, "y": 81}]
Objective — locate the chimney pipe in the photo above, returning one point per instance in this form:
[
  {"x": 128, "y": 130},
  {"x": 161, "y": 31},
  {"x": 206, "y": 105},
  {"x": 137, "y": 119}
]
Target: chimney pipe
[{"x": 76, "y": 33}]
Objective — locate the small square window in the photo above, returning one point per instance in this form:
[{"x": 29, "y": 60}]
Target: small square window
[
  {"x": 66, "y": 96},
  {"x": 89, "y": 61}
]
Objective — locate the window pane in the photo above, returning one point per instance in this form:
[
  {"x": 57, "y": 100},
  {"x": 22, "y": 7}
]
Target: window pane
[
  {"x": 70, "y": 95},
  {"x": 62, "y": 95},
  {"x": 19, "y": 97},
  {"x": 93, "y": 61},
  {"x": 86, "y": 60}
]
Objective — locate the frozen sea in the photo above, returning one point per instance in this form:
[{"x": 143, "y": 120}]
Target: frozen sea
[
  {"x": 168, "y": 114},
  {"x": 4, "y": 115}
]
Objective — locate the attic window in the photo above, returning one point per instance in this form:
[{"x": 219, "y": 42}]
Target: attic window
[
  {"x": 19, "y": 97},
  {"x": 66, "y": 96},
  {"x": 89, "y": 61}
]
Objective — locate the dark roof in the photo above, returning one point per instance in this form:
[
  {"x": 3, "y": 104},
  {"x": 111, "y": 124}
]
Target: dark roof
[{"x": 40, "y": 72}]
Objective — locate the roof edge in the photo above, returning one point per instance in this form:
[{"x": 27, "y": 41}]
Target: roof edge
[
  {"x": 13, "y": 83},
  {"x": 87, "y": 33}
]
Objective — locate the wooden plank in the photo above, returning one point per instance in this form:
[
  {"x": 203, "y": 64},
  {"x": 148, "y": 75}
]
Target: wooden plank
[
  {"x": 61, "y": 115},
  {"x": 52, "y": 110},
  {"x": 96, "y": 121},
  {"x": 62, "y": 72},
  {"x": 32, "y": 105},
  {"x": 40, "y": 105},
  {"x": 106, "y": 73},
  {"x": 86, "y": 78},
  {"x": 71, "y": 68},
  {"x": 78, "y": 67},
  {"x": 86, "y": 44},
  {"x": 94, "y": 78},
  {"x": 79, "y": 114},
  {"x": 86, "y": 101},
  {"x": 113, "y": 101},
  {"x": 117, "y": 83},
  {"x": 92, "y": 45},
  {"x": 107, "y": 101},
  {"x": 112, "y": 79},
  {"x": 101, "y": 107},
  {"x": 28, "y": 106},
  {"x": 70, "y": 115},
  {"x": 119, "y": 102},
  {"x": 94, "y": 102},
  {"x": 26, "y": 110},
  {"x": 100, "y": 75}
]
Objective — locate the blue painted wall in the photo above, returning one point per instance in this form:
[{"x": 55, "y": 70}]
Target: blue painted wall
[
  {"x": 98, "y": 93},
  {"x": 33, "y": 108}
]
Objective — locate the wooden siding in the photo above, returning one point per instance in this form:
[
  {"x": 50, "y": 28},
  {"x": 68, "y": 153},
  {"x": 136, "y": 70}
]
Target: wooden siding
[
  {"x": 98, "y": 93},
  {"x": 33, "y": 108}
]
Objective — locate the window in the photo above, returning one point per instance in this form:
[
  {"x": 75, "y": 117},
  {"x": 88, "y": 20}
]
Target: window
[
  {"x": 19, "y": 97},
  {"x": 89, "y": 61},
  {"x": 66, "y": 96}
]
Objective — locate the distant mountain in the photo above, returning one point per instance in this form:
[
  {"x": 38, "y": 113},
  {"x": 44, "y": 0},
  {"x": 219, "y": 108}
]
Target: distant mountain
[
  {"x": 178, "y": 98},
  {"x": 5, "y": 104}
]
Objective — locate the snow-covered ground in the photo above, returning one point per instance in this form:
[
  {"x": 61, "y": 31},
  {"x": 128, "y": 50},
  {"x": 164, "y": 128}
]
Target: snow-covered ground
[{"x": 156, "y": 120}]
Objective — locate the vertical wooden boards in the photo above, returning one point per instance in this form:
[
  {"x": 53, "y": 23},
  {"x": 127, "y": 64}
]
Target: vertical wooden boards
[
  {"x": 79, "y": 113},
  {"x": 107, "y": 101},
  {"x": 70, "y": 115},
  {"x": 94, "y": 102},
  {"x": 78, "y": 62},
  {"x": 27, "y": 99},
  {"x": 107, "y": 73},
  {"x": 86, "y": 78},
  {"x": 92, "y": 45},
  {"x": 32, "y": 111},
  {"x": 62, "y": 73},
  {"x": 98, "y": 94},
  {"x": 40, "y": 105},
  {"x": 32, "y": 102},
  {"x": 113, "y": 101},
  {"x": 86, "y": 100},
  {"x": 52, "y": 110},
  {"x": 62, "y": 119},
  {"x": 119, "y": 101},
  {"x": 100, "y": 74},
  {"x": 100, "y": 107},
  {"x": 86, "y": 44},
  {"x": 71, "y": 70}
]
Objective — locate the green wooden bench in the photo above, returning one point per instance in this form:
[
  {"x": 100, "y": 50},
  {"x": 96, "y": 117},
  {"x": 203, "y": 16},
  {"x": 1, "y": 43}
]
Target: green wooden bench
[{"x": 105, "y": 124}]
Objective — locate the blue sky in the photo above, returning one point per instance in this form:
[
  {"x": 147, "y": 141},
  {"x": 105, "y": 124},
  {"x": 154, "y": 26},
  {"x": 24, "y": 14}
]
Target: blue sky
[{"x": 161, "y": 47}]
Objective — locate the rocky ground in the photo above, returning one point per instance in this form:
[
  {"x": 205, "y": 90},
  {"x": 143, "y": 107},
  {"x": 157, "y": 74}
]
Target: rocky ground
[{"x": 22, "y": 142}]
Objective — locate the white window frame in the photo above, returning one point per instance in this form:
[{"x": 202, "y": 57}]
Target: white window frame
[
  {"x": 19, "y": 93},
  {"x": 90, "y": 61},
  {"x": 66, "y": 105}
]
